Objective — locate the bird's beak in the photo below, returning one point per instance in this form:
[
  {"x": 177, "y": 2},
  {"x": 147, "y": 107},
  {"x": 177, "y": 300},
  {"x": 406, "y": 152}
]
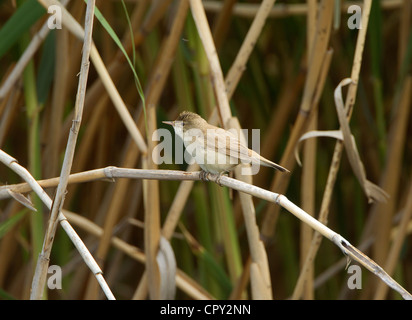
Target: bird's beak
[{"x": 172, "y": 123}]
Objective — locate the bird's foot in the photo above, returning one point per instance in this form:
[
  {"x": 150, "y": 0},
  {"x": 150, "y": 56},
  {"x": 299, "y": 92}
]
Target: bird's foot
[
  {"x": 218, "y": 177},
  {"x": 204, "y": 175},
  {"x": 207, "y": 176}
]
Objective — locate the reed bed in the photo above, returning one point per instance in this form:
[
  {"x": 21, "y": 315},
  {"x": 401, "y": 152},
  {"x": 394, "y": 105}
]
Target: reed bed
[{"x": 80, "y": 105}]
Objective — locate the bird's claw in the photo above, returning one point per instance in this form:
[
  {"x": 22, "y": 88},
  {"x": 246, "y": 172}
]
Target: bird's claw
[
  {"x": 217, "y": 177},
  {"x": 217, "y": 180},
  {"x": 203, "y": 175}
]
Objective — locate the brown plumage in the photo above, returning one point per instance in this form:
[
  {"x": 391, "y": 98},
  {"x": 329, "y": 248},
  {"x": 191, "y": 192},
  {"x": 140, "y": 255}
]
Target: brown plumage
[{"x": 215, "y": 150}]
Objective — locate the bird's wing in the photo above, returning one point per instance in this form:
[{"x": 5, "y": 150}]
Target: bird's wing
[
  {"x": 193, "y": 135},
  {"x": 227, "y": 144}
]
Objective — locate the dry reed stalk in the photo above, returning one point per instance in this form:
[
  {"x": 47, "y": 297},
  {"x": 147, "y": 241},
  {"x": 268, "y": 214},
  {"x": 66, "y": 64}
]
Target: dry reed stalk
[
  {"x": 307, "y": 258},
  {"x": 343, "y": 244},
  {"x": 269, "y": 196},
  {"x": 164, "y": 61},
  {"x": 107, "y": 173},
  {"x": 154, "y": 89},
  {"x": 152, "y": 212},
  {"x": 233, "y": 77},
  {"x": 111, "y": 211},
  {"x": 169, "y": 225},
  {"x": 309, "y": 248},
  {"x": 395, "y": 152},
  {"x": 278, "y": 122},
  {"x": 95, "y": 93},
  {"x": 141, "y": 290},
  {"x": 116, "y": 264},
  {"x": 243, "y": 187},
  {"x": 28, "y": 54},
  {"x": 100, "y": 184},
  {"x": 338, "y": 266},
  {"x": 191, "y": 287},
  {"x": 82, "y": 249},
  {"x": 136, "y": 21},
  {"x": 222, "y": 22},
  {"x": 383, "y": 213},
  {"x": 157, "y": 10},
  {"x": 118, "y": 67},
  {"x": 111, "y": 208},
  {"x": 405, "y": 21},
  {"x": 118, "y": 102},
  {"x": 241, "y": 285},
  {"x": 98, "y": 100},
  {"x": 9, "y": 110},
  {"x": 357, "y": 61},
  {"x": 132, "y": 156},
  {"x": 260, "y": 276},
  {"x": 319, "y": 49},
  {"x": 73, "y": 26},
  {"x": 350, "y": 101},
  {"x": 184, "y": 189},
  {"x": 338, "y": 240},
  {"x": 205, "y": 35},
  {"x": 309, "y": 165},
  {"x": 52, "y": 150},
  {"x": 236, "y": 70},
  {"x": 372, "y": 191},
  {"x": 184, "y": 282},
  {"x": 308, "y": 188},
  {"x": 248, "y": 10},
  {"x": 92, "y": 175},
  {"x": 312, "y": 12},
  {"x": 39, "y": 278},
  {"x": 176, "y": 208},
  {"x": 92, "y": 130}
]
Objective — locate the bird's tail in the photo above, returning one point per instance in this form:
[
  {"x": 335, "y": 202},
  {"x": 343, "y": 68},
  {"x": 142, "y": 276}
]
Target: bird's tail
[{"x": 267, "y": 163}]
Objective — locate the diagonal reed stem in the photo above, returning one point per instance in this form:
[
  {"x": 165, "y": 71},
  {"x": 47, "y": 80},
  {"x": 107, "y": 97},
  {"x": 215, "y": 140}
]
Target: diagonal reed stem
[{"x": 39, "y": 278}]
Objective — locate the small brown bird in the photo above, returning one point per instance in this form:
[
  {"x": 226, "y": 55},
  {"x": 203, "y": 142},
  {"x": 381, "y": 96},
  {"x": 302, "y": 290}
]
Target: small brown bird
[{"x": 214, "y": 149}]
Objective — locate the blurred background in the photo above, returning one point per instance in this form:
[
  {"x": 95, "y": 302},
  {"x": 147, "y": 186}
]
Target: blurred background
[{"x": 210, "y": 242}]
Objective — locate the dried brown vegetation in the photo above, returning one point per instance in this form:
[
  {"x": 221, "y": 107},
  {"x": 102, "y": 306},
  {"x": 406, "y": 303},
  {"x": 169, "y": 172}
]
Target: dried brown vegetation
[{"x": 272, "y": 65}]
